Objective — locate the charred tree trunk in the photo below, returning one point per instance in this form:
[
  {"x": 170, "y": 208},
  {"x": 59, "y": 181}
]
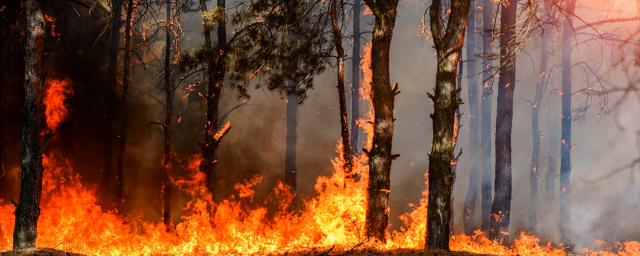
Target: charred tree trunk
[
  {"x": 123, "y": 106},
  {"x": 448, "y": 43},
  {"x": 355, "y": 79},
  {"x": 215, "y": 74},
  {"x": 485, "y": 119},
  {"x": 535, "y": 133},
  {"x": 382, "y": 98},
  {"x": 501, "y": 208},
  {"x": 28, "y": 209},
  {"x": 346, "y": 147},
  {"x": 110, "y": 104},
  {"x": 166, "y": 162},
  {"x": 565, "y": 144},
  {"x": 474, "y": 120}
]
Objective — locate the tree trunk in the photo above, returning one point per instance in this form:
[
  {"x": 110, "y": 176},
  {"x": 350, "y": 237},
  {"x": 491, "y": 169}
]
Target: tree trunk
[
  {"x": 448, "y": 43},
  {"x": 346, "y": 147},
  {"x": 535, "y": 133},
  {"x": 28, "y": 209},
  {"x": 290, "y": 170},
  {"x": 215, "y": 73},
  {"x": 474, "y": 139},
  {"x": 110, "y": 104},
  {"x": 565, "y": 144},
  {"x": 501, "y": 208},
  {"x": 166, "y": 175},
  {"x": 553, "y": 138},
  {"x": 382, "y": 98},
  {"x": 485, "y": 119},
  {"x": 355, "y": 79},
  {"x": 123, "y": 106}
]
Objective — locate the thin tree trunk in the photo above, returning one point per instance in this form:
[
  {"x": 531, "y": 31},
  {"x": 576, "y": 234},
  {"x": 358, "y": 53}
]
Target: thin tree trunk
[
  {"x": 565, "y": 144},
  {"x": 290, "y": 170},
  {"x": 382, "y": 97},
  {"x": 535, "y": 134},
  {"x": 110, "y": 103},
  {"x": 166, "y": 176},
  {"x": 28, "y": 210},
  {"x": 448, "y": 43},
  {"x": 346, "y": 147},
  {"x": 215, "y": 73},
  {"x": 355, "y": 79},
  {"x": 123, "y": 106},
  {"x": 553, "y": 138},
  {"x": 486, "y": 105},
  {"x": 474, "y": 139},
  {"x": 501, "y": 208}
]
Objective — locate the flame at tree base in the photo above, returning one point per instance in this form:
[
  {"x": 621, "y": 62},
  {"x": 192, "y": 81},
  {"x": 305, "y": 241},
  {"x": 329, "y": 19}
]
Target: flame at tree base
[{"x": 71, "y": 221}]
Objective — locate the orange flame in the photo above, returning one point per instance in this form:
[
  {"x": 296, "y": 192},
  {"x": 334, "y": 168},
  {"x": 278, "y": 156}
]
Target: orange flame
[
  {"x": 70, "y": 220},
  {"x": 56, "y": 93}
]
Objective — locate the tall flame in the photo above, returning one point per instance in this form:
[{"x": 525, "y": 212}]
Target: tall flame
[{"x": 56, "y": 93}]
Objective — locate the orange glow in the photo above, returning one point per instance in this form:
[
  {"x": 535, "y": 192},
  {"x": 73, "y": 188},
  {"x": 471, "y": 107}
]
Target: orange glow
[
  {"x": 56, "y": 93},
  {"x": 365, "y": 95}
]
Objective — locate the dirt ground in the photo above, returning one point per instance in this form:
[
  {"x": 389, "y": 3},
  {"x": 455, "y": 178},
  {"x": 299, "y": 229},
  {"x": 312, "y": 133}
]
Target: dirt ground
[{"x": 38, "y": 252}]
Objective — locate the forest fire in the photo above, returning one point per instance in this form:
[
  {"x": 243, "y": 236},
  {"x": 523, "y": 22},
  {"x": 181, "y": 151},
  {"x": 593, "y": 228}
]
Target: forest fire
[{"x": 83, "y": 172}]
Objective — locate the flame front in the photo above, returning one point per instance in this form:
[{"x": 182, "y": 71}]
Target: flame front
[{"x": 72, "y": 221}]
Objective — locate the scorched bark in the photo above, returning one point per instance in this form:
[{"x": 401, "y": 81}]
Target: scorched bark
[
  {"x": 28, "y": 209},
  {"x": 382, "y": 97}
]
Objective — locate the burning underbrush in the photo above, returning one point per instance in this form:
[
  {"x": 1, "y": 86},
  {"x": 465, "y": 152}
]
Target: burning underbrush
[
  {"x": 332, "y": 222},
  {"x": 334, "y": 219}
]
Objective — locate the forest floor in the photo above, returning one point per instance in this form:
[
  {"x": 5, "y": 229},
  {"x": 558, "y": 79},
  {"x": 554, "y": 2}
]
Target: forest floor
[{"x": 38, "y": 252}]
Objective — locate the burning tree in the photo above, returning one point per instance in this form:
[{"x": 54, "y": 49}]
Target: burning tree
[
  {"x": 28, "y": 208},
  {"x": 344, "y": 124},
  {"x": 382, "y": 97}
]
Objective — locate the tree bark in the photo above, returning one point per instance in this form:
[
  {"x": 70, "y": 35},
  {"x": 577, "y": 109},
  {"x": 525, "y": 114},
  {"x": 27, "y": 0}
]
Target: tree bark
[
  {"x": 290, "y": 170},
  {"x": 448, "y": 43},
  {"x": 346, "y": 147},
  {"x": 474, "y": 120},
  {"x": 215, "y": 73},
  {"x": 123, "y": 106},
  {"x": 486, "y": 105},
  {"x": 565, "y": 143},
  {"x": 110, "y": 104},
  {"x": 501, "y": 208},
  {"x": 28, "y": 209},
  {"x": 166, "y": 174},
  {"x": 355, "y": 79},
  {"x": 535, "y": 133},
  {"x": 382, "y": 97}
]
